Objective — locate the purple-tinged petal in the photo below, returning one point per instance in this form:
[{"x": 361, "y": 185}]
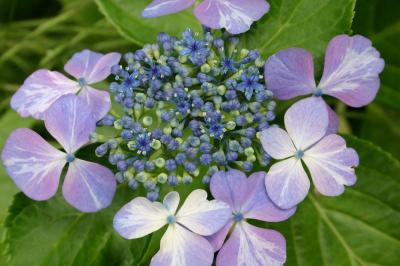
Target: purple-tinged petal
[
  {"x": 331, "y": 165},
  {"x": 39, "y": 91},
  {"x": 333, "y": 125},
  {"x": 164, "y": 7},
  {"x": 33, "y": 164},
  {"x": 277, "y": 143},
  {"x": 217, "y": 239},
  {"x": 88, "y": 186},
  {"x": 351, "y": 71},
  {"x": 236, "y": 16},
  {"x": 229, "y": 187},
  {"x": 171, "y": 202},
  {"x": 290, "y": 73},
  {"x": 258, "y": 205},
  {"x": 70, "y": 121},
  {"x": 250, "y": 245},
  {"x": 307, "y": 121},
  {"x": 287, "y": 183},
  {"x": 202, "y": 216},
  {"x": 140, "y": 217},
  {"x": 180, "y": 247},
  {"x": 98, "y": 100},
  {"x": 90, "y": 66}
]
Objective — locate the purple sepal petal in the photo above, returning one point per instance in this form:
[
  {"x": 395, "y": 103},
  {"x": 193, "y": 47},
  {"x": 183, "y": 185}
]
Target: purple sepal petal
[
  {"x": 287, "y": 183},
  {"x": 202, "y": 216},
  {"x": 140, "y": 217},
  {"x": 250, "y": 245},
  {"x": 258, "y": 205},
  {"x": 70, "y": 121},
  {"x": 90, "y": 66},
  {"x": 290, "y": 73},
  {"x": 39, "y": 91},
  {"x": 307, "y": 121},
  {"x": 236, "y": 16},
  {"x": 98, "y": 100},
  {"x": 162, "y": 7},
  {"x": 88, "y": 186},
  {"x": 180, "y": 247},
  {"x": 331, "y": 165},
  {"x": 351, "y": 71},
  {"x": 33, "y": 164},
  {"x": 333, "y": 125},
  {"x": 277, "y": 143},
  {"x": 218, "y": 239}
]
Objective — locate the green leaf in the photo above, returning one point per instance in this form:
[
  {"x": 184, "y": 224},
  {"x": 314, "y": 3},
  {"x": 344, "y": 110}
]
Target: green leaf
[
  {"x": 308, "y": 24},
  {"x": 359, "y": 227},
  {"x": 125, "y": 15}
]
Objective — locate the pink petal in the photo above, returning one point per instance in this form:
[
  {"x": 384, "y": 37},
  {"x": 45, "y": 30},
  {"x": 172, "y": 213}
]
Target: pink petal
[
  {"x": 307, "y": 121},
  {"x": 258, "y": 205},
  {"x": 90, "y": 66},
  {"x": 331, "y": 165},
  {"x": 235, "y": 16},
  {"x": 333, "y": 125},
  {"x": 290, "y": 73},
  {"x": 171, "y": 202},
  {"x": 88, "y": 186},
  {"x": 70, "y": 121},
  {"x": 39, "y": 91},
  {"x": 33, "y": 164},
  {"x": 98, "y": 100},
  {"x": 217, "y": 239},
  {"x": 202, "y": 216},
  {"x": 277, "y": 143},
  {"x": 229, "y": 187},
  {"x": 164, "y": 7},
  {"x": 287, "y": 183},
  {"x": 140, "y": 217},
  {"x": 180, "y": 247},
  {"x": 250, "y": 245},
  {"x": 351, "y": 71}
]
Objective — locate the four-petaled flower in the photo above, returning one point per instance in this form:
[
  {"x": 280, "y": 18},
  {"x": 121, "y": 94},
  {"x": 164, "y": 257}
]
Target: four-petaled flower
[
  {"x": 42, "y": 88},
  {"x": 351, "y": 73},
  {"x": 247, "y": 244},
  {"x": 307, "y": 139},
  {"x": 236, "y": 16},
  {"x": 183, "y": 242},
  {"x": 36, "y": 166}
]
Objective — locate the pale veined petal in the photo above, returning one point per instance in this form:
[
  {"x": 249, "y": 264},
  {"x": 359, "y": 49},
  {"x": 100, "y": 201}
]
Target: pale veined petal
[
  {"x": 277, "y": 143},
  {"x": 171, "y": 202},
  {"x": 98, "y": 101},
  {"x": 164, "y": 7}
]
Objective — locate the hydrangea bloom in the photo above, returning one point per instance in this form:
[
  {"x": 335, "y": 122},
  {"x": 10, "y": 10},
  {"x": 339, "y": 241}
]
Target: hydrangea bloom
[
  {"x": 247, "y": 244},
  {"x": 351, "y": 73},
  {"x": 36, "y": 166},
  {"x": 183, "y": 242},
  {"x": 41, "y": 89},
  {"x": 326, "y": 156},
  {"x": 236, "y": 16}
]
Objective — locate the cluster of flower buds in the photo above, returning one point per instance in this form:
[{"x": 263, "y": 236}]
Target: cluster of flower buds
[{"x": 192, "y": 105}]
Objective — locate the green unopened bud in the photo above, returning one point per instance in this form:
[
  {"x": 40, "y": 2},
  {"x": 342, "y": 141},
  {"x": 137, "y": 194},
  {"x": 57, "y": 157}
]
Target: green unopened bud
[
  {"x": 117, "y": 124},
  {"x": 221, "y": 90},
  {"x": 140, "y": 97},
  {"x": 128, "y": 175},
  {"x": 183, "y": 59},
  {"x": 162, "y": 178},
  {"x": 251, "y": 158},
  {"x": 142, "y": 176},
  {"x": 249, "y": 151},
  {"x": 174, "y": 122},
  {"x": 196, "y": 172},
  {"x": 155, "y": 144},
  {"x": 205, "y": 68},
  {"x": 230, "y": 125},
  {"x": 147, "y": 121},
  {"x": 167, "y": 130},
  {"x": 131, "y": 145},
  {"x": 249, "y": 118},
  {"x": 244, "y": 53},
  {"x": 159, "y": 162},
  {"x": 259, "y": 62}
]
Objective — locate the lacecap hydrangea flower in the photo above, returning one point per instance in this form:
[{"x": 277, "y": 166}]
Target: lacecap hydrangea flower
[
  {"x": 191, "y": 107},
  {"x": 36, "y": 166},
  {"x": 236, "y": 16}
]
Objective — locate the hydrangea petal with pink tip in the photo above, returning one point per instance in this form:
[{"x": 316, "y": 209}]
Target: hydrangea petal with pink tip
[
  {"x": 331, "y": 165},
  {"x": 33, "y": 164},
  {"x": 164, "y": 7},
  {"x": 258, "y": 205},
  {"x": 39, "y": 91},
  {"x": 235, "y": 16},
  {"x": 290, "y": 73},
  {"x": 180, "y": 247},
  {"x": 140, "y": 217},
  {"x": 250, "y": 245},
  {"x": 98, "y": 100},
  {"x": 202, "y": 216},
  {"x": 277, "y": 143},
  {"x": 90, "y": 66},
  {"x": 88, "y": 186},
  {"x": 307, "y": 121},
  {"x": 351, "y": 71},
  {"x": 287, "y": 183},
  {"x": 70, "y": 121},
  {"x": 230, "y": 187}
]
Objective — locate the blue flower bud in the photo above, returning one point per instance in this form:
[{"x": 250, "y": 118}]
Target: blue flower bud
[
  {"x": 101, "y": 150},
  {"x": 172, "y": 180},
  {"x": 152, "y": 195}
]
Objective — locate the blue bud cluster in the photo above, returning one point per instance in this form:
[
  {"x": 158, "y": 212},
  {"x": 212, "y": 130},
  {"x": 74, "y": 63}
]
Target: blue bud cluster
[{"x": 191, "y": 105}]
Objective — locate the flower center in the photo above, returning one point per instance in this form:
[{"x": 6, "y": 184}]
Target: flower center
[
  {"x": 238, "y": 217},
  {"x": 82, "y": 82},
  {"x": 70, "y": 158},
  {"x": 299, "y": 154},
  {"x": 317, "y": 92},
  {"x": 171, "y": 219}
]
